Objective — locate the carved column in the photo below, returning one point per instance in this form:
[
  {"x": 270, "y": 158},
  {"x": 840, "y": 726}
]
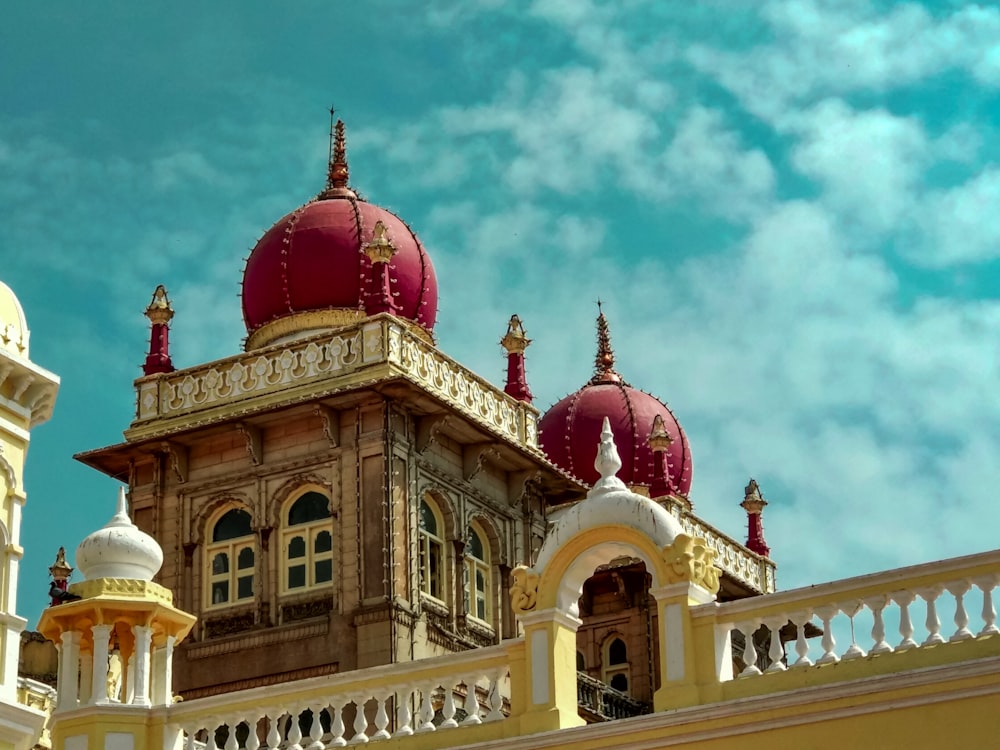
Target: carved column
[
  {"x": 140, "y": 664},
  {"x": 163, "y": 676},
  {"x": 99, "y": 683}
]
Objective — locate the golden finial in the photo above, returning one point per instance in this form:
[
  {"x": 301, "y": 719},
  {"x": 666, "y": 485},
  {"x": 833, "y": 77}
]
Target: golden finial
[
  {"x": 604, "y": 362},
  {"x": 380, "y": 249},
  {"x": 515, "y": 341},
  {"x": 337, "y": 173},
  {"x": 659, "y": 439},
  {"x": 160, "y": 310},
  {"x": 753, "y": 501}
]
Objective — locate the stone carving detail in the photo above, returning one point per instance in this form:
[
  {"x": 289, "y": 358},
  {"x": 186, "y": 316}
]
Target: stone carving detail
[
  {"x": 228, "y": 625},
  {"x": 691, "y": 559},
  {"x": 524, "y": 591},
  {"x": 731, "y": 556},
  {"x": 443, "y": 376},
  {"x": 305, "y": 610}
]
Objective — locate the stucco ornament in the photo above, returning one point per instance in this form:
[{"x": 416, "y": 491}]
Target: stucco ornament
[
  {"x": 524, "y": 591},
  {"x": 691, "y": 559}
]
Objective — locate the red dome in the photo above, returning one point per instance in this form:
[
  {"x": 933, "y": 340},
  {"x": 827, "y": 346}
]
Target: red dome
[
  {"x": 312, "y": 260},
  {"x": 571, "y": 430}
]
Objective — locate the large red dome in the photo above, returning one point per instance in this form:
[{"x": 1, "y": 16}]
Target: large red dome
[
  {"x": 570, "y": 431},
  {"x": 310, "y": 269}
]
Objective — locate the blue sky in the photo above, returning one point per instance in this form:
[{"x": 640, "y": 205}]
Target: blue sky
[{"x": 789, "y": 209}]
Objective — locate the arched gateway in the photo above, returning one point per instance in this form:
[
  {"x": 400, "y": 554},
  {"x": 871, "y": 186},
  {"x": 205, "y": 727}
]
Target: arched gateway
[{"x": 611, "y": 522}]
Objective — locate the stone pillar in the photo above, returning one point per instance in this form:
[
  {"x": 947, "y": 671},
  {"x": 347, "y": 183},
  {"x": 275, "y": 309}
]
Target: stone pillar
[
  {"x": 163, "y": 678},
  {"x": 550, "y": 671},
  {"x": 140, "y": 664},
  {"x": 99, "y": 689},
  {"x": 677, "y": 662},
  {"x": 86, "y": 677},
  {"x": 69, "y": 664}
]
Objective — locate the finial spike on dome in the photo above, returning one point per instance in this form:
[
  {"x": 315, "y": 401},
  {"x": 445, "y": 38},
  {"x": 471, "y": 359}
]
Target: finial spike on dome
[
  {"x": 604, "y": 362},
  {"x": 608, "y": 463},
  {"x": 337, "y": 173}
]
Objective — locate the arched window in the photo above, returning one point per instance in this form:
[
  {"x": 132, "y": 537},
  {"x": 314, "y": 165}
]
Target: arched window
[
  {"x": 581, "y": 663},
  {"x": 616, "y": 667},
  {"x": 478, "y": 574},
  {"x": 230, "y": 559},
  {"x": 307, "y": 542},
  {"x": 431, "y": 562}
]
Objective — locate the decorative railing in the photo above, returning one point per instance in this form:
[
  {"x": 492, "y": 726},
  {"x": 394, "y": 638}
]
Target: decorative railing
[
  {"x": 601, "y": 701},
  {"x": 753, "y": 570},
  {"x": 379, "y": 348},
  {"x": 458, "y": 690},
  {"x": 905, "y": 610}
]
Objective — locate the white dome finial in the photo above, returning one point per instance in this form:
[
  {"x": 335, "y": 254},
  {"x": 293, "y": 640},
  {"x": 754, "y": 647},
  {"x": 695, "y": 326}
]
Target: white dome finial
[
  {"x": 119, "y": 549},
  {"x": 607, "y": 463}
]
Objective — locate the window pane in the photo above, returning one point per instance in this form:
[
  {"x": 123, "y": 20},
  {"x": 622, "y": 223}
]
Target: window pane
[
  {"x": 220, "y": 592},
  {"x": 481, "y": 607},
  {"x": 244, "y": 587},
  {"x": 476, "y": 546},
  {"x": 323, "y": 542},
  {"x": 617, "y": 654},
  {"x": 220, "y": 564},
  {"x": 480, "y": 581},
  {"x": 581, "y": 666},
  {"x": 434, "y": 569},
  {"x": 296, "y": 576},
  {"x": 427, "y": 520},
  {"x": 312, "y": 506},
  {"x": 620, "y": 682},
  {"x": 244, "y": 558},
  {"x": 296, "y": 548},
  {"x": 324, "y": 571},
  {"x": 232, "y": 525}
]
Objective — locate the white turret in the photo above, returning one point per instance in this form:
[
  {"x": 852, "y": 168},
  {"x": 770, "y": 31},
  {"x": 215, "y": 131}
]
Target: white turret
[{"x": 119, "y": 549}]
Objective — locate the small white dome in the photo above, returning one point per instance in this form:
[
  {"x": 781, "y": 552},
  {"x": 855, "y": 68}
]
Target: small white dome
[{"x": 119, "y": 550}]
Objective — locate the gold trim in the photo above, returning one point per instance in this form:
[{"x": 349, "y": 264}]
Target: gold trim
[
  {"x": 315, "y": 321},
  {"x": 122, "y": 588}
]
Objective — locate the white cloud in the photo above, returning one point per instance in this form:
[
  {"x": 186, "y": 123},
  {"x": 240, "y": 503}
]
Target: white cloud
[{"x": 959, "y": 224}]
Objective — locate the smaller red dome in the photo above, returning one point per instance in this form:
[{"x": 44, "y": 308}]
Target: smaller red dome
[
  {"x": 570, "y": 431},
  {"x": 313, "y": 261}
]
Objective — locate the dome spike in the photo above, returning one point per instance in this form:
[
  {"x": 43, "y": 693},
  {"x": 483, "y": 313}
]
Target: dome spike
[
  {"x": 337, "y": 173},
  {"x": 604, "y": 362}
]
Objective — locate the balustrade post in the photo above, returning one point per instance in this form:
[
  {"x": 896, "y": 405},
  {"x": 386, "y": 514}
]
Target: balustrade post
[
  {"x": 549, "y": 671},
  {"x": 680, "y": 659}
]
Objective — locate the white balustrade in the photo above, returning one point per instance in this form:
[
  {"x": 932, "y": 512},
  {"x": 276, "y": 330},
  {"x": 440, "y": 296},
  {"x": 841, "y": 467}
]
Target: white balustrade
[
  {"x": 319, "y": 723},
  {"x": 842, "y": 610}
]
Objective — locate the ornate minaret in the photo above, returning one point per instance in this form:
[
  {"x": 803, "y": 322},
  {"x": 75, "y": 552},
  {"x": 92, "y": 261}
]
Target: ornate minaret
[
  {"x": 515, "y": 342},
  {"x": 754, "y": 503},
  {"x": 159, "y": 313}
]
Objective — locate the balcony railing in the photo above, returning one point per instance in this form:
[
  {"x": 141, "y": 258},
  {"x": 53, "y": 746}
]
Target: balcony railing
[{"x": 601, "y": 702}]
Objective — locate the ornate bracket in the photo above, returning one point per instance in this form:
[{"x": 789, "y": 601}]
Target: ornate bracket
[
  {"x": 691, "y": 559},
  {"x": 177, "y": 456},
  {"x": 474, "y": 458},
  {"x": 519, "y": 484},
  {"x": 331, "y": 423},
  {"x": 428, "y": 429},
  {"x": 255, "y": 444},
  {"x": 524, "y": 590}
]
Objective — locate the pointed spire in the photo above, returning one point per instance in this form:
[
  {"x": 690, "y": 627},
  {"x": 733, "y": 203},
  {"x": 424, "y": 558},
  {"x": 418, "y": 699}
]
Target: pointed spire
[
  {"x": 607, "y": 462},
  {"x": 754, "y": 504},
  {"x": 337, "y": 173},
  {"x": 160, "y": 312},
  {"x": 604, "y": 362},
  {"x": 515, "y": 342}
]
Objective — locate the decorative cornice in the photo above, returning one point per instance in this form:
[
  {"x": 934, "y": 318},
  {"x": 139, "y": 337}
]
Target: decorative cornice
[{"x": 122, "y": 588}]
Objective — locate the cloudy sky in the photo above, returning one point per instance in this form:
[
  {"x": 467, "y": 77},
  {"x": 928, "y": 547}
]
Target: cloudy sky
[{"x": 789, "y": 208}]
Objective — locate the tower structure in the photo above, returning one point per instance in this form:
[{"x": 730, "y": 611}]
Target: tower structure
[
  {"x": 342, "y": 494},
  {"x": 27, "y": 395}
]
